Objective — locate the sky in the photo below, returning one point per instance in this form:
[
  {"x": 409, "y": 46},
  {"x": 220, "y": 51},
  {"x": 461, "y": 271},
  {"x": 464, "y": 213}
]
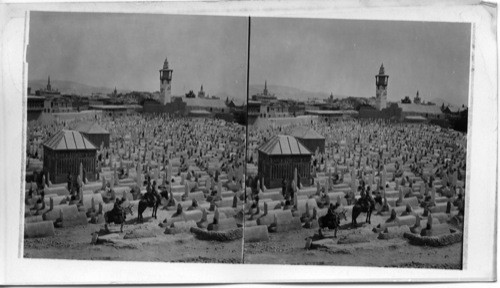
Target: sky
[
  {"x": 128, "y": 50},
  {"x": 317, "y": 55},
  {"x": 343, "y": 56}
]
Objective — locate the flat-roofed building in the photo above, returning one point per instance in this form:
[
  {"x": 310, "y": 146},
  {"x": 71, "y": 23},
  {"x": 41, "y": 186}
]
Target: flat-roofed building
[
  {"x": 427, "y": 111},
  {"x": 332, "y": 115}
]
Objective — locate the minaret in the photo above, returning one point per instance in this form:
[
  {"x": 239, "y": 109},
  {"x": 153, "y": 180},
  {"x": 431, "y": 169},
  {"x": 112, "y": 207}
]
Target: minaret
[
  {"x": 201, "y": 93},
  {"x": 417, "y": 99},
  {"x": 49, "y": 88},
  {"x": 381, "y": 81},
  {"x": 165, "y": 86}
]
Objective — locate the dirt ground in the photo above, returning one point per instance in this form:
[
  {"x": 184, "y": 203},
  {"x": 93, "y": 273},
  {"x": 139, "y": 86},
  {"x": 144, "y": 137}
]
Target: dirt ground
[
  {"x": 148, "y": 243},
  {"x": 289, "y": 248},
  {"x": 152, "y": 244}
]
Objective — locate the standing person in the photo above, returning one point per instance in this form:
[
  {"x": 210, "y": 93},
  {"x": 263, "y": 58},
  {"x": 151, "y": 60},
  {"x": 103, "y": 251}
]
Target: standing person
[
  {"x": 69, "y": 179},
  {"x": 298, "y": 181},
  {"x": 283, "y": 187}
]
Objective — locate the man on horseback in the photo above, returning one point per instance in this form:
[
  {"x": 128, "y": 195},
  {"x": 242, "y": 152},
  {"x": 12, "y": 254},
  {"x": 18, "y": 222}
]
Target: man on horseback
[
  {"x": 150, "y": 199},
  {"x": 151, "y": 195},
  {"x": 365, "y": 204},
  {"x": 366, "y": 199}
]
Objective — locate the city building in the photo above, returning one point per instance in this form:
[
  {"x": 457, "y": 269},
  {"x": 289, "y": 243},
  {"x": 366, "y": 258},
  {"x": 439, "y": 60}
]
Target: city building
[
  {"x": 207, "y": 104},
  {"x": 177, "y": 106},
  {"x": 35, "y": 106},
  {"x": 393, "y": 111},
  {"x": 428, "y": 112},
  {"x": 117, "y": 110},
  {"x": 57, "y": 104},
  {"x": 332, "y": 115},
  {"x": 48, "y": 91},
  {"x": 296, "y": 108},
  {"x": 265, "y": 96},
  {"x": 253, "y": 111},
  {"x": 274, "y": 109},
  {"x": 196, "y": 106}
]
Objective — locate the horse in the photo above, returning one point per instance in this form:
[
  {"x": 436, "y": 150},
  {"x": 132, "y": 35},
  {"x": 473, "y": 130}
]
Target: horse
[
  {"x": 367, "y": 206},
  {"x": 153, "y": 202},
  {"x": 117, "y": 218},
  {"x": 332, "y": 220}
]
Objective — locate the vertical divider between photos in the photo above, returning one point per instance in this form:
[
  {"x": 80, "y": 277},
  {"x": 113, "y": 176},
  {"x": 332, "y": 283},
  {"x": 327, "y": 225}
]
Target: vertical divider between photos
[{"x": 244, "y": 203}]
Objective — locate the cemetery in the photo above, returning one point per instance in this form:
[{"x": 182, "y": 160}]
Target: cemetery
[
  {"x": 381, "y": 194},
  {"x": 414, "y": 175},
  {"x": 194, "y": 167}
]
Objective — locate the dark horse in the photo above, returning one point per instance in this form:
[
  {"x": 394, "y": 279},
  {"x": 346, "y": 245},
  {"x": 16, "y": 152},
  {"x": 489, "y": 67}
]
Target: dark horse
[
  {"x": 116, "y": 217},
  {"x": 332, "y": 219},
  {"x": 153, "y": 201},
  {"x": 364, "y": 205}
]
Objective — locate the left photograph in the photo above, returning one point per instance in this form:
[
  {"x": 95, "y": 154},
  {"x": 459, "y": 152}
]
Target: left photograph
[{"x": 135, "y": 137}]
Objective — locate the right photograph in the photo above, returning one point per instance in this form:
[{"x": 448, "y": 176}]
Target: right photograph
[{"x": 357, "y": 142}]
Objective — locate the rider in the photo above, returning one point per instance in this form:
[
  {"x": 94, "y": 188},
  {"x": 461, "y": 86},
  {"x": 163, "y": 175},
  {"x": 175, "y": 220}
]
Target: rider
[
  {"x": 117, "y": 207},
  {"x": 149, "y": 193},
  {"x": 154, "y": 193},
  {"x": 332, "y": 214},
  {"x": 364, "y": 199},
  {"x": 369, "y": 196}
]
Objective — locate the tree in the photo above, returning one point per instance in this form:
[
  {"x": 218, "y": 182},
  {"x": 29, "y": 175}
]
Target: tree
[
  {"x": 406, "y": 100},
  {"x": 190, "y": 94}
]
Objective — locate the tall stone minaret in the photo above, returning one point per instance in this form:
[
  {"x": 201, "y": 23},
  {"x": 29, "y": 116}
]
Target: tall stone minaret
[
  {"x": 165, "y": 86},
  {"x": 49, "y": 87},
  {"x": 381, "y": 81}
]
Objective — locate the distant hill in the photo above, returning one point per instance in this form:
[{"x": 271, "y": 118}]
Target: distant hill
[
  {"x": 439, "y": 102},
  {"x": 70, "y": 87}
]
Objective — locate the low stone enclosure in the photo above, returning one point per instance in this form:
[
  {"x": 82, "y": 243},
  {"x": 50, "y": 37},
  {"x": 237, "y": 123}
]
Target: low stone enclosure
[
  {"x": 407, "y": 221},
  {"x": 225, "y": 217},
  {"x": 191, "y": 208}
]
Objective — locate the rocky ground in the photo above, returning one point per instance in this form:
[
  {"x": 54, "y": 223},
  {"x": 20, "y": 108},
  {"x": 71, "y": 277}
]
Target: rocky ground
[
  {"x": 138, "y": 242},
  {"x": 147, "y": 242},
  {"x": 289, "y": 248}
]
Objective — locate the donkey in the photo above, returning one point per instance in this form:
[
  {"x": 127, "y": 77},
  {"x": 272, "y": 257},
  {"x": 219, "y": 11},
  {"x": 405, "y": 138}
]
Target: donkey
[
  {"x": 332, "y": 219},
  {"x": 116, "y": 217}
]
